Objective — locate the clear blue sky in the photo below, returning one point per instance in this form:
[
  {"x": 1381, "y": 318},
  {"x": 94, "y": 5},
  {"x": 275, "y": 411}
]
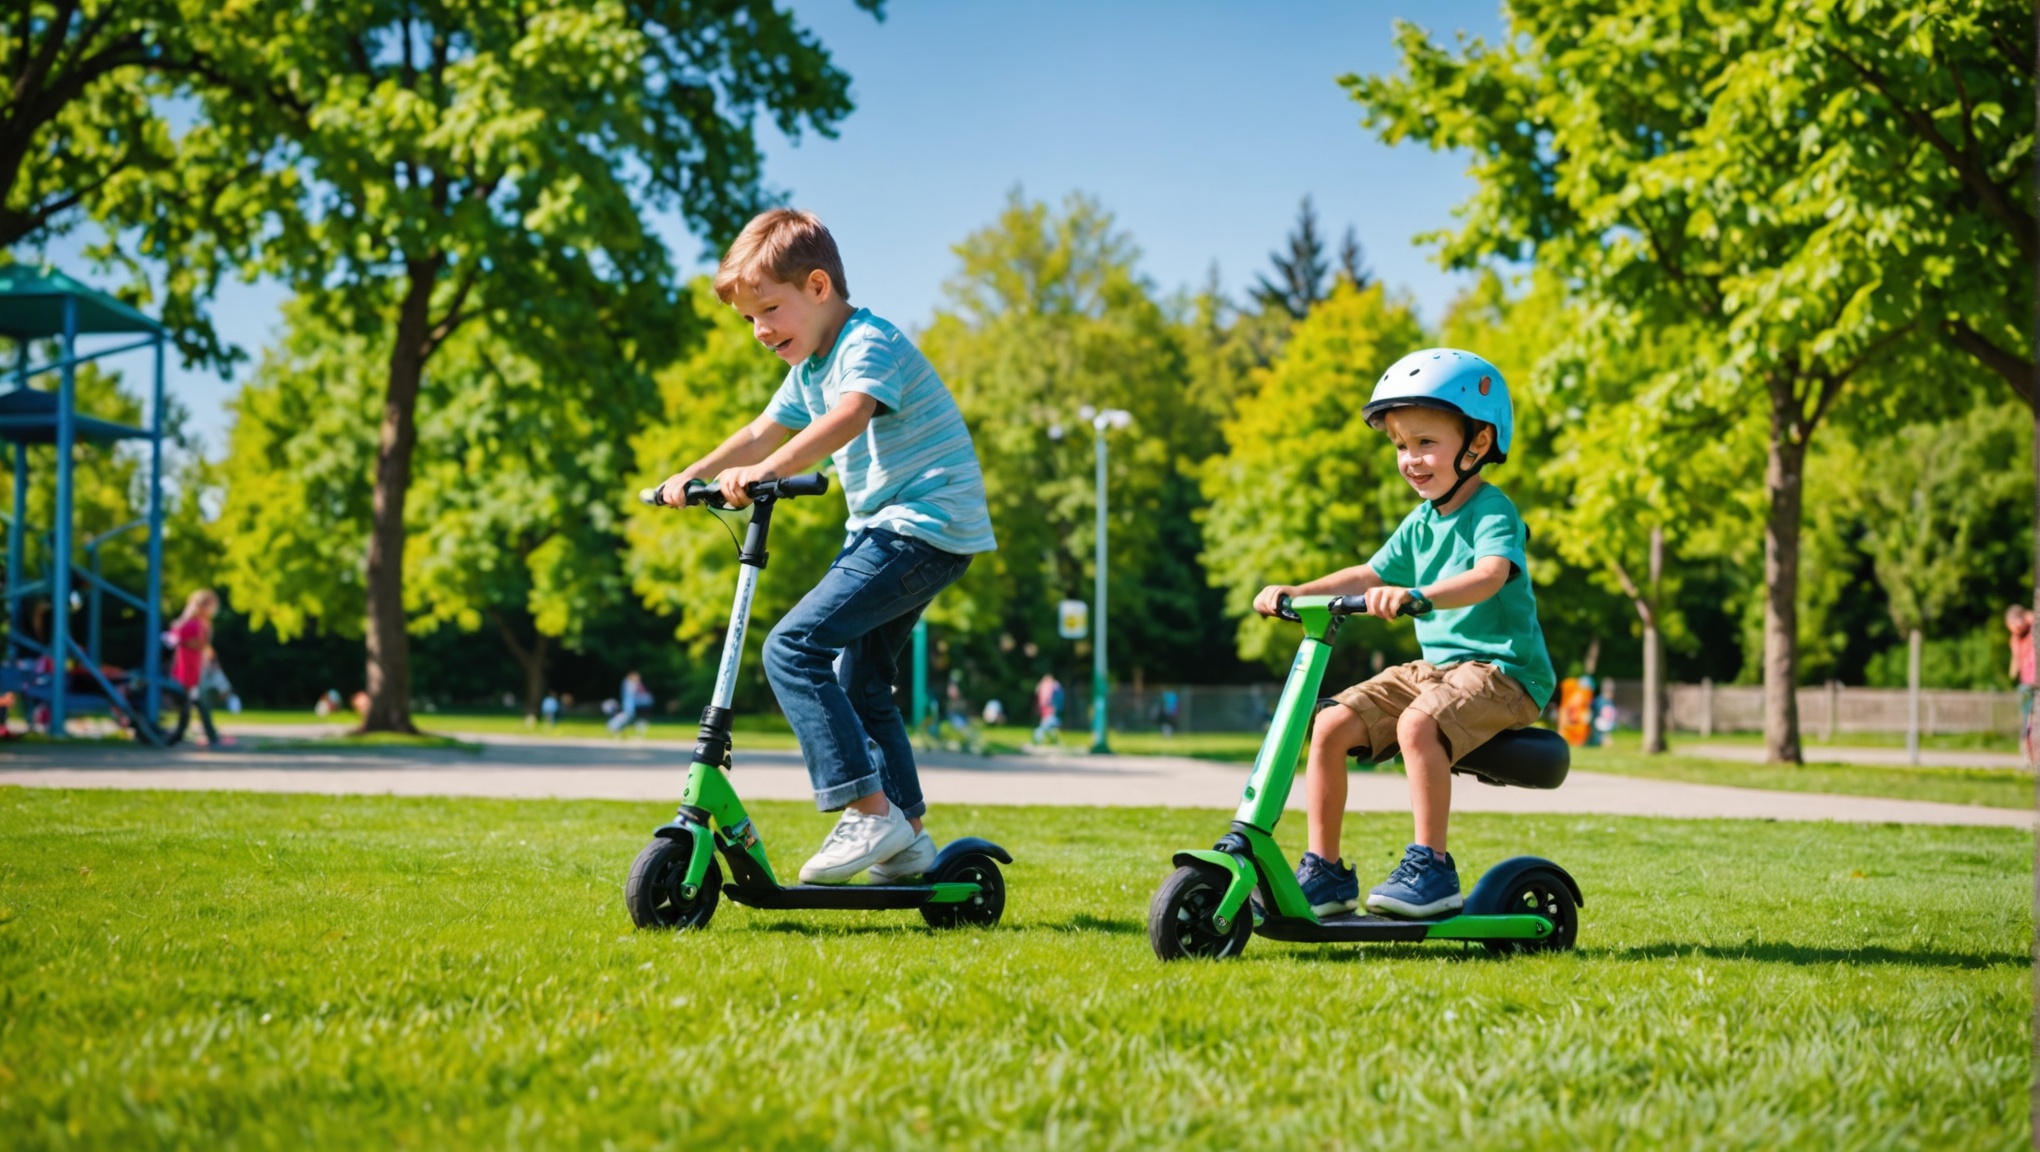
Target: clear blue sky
[{"x": 1200, "y": 125}]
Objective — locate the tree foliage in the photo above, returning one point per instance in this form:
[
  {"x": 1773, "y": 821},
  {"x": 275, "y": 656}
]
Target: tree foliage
[
  {"x": 515, "y": 515},
  {"x": 1047, "y": 315},
  {"x": 1305, "y": 486},
  {"x": 1726, "y": 171},
  {"x": 423, "y": 166}
]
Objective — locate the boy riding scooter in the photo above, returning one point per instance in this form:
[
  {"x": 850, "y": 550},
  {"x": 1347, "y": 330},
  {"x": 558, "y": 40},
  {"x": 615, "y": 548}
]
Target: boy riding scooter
[
  {"x": 1457, "y": 564},
  {"x": 857, "y": 391}
]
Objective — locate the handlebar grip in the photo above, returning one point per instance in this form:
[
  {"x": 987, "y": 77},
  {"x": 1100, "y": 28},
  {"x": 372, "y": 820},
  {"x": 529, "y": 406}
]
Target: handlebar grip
[
  {"x": 650, "y": 496},
  {"x": 1283, "y": 610},
  {"x": 813, "y": 484}
]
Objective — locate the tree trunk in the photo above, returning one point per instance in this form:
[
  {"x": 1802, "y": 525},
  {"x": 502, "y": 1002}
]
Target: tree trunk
[
  {"x": 1912, "y": 697},
  {"x": 531, "y": 660},
  {"x": 1653, "y": 654},
  {"x": 1783, "y": 473},
  {"x": 389, "y": 645}
]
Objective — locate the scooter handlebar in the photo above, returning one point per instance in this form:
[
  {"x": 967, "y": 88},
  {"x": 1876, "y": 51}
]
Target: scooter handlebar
[
  {"x": 702, "y": 492},
  {"x": 1337, "y": 606}
]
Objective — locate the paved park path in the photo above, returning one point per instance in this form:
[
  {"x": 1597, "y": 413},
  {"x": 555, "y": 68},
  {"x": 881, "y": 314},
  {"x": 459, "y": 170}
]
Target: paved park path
[
  {"x": 564, "y": 768},
  {"x": 1874, "y": 757}
]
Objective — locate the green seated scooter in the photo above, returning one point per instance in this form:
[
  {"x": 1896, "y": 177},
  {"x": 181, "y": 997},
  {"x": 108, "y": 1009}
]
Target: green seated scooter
[
  {"x": 1524, "y": 904},
  {"x": 675, "y": 882}
]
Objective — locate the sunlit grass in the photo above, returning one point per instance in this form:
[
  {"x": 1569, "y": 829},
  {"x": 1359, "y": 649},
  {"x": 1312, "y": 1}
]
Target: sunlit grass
[{"x": 208, "y": 970}]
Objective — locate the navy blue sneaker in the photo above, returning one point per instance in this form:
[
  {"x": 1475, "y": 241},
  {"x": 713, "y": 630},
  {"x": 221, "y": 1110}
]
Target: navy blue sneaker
[
  {"x": 1424, "y": 885},
  {"x": 1330, "y": 888}
]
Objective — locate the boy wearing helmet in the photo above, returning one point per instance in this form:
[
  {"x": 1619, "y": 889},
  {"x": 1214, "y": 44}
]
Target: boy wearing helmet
[{"x": 1457, "y": 564}]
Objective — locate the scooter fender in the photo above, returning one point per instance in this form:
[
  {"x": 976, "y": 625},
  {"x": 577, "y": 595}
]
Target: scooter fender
[
  {"x": 1494, "y": 884},
  {"x": 965, "y": 847},
  {"x": 1237, "y": 890},
  {"x": 700, "y": 848}
]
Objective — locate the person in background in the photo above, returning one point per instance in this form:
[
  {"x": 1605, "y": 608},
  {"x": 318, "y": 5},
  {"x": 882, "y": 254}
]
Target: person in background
[
  {"x": 550, "y": 709},
  {"x": 190, "y": 638},
  {"x": 1048, "y": 702},
  {"x": 632, "y": 698},
  {"x": 1172, "y": 711},
  {"x": 2019, "y": 622},
  {"x": 1604, "y": 714},
  {"x": 995, "y": 712}
]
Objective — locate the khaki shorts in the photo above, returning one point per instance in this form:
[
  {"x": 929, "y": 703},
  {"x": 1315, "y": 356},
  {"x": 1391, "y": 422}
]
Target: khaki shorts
[{"x": 1471, "y": 702}]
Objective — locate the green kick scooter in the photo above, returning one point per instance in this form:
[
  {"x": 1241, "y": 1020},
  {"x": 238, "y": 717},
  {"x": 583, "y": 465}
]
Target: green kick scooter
[
  {"x": 675, "y": 882},
  {"x": 1523, "y": 904}
]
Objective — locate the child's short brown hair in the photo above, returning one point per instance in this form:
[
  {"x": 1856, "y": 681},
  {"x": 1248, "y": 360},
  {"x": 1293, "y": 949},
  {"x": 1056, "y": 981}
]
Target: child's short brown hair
[{"x": 785, "y": 244}]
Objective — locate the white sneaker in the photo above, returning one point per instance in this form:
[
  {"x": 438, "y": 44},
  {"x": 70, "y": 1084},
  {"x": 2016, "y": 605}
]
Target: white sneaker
[
  {"x": 857, "y": 842},
  {"x": 907, "y": 863}
]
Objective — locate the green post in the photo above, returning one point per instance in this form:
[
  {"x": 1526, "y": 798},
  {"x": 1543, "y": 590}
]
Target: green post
[
  {"x": 920, "y": 676},
  {"x": 1100, "y": 690}
]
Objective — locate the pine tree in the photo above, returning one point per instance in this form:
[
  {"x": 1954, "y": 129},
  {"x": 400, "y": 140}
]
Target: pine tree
[
  {"x": 1353, "y": 260},
  {"x": 1299, "y": 276}
]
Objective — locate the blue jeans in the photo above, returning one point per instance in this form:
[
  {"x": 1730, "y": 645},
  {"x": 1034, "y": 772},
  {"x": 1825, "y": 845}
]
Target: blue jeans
[{"x": 833, "y": 659}]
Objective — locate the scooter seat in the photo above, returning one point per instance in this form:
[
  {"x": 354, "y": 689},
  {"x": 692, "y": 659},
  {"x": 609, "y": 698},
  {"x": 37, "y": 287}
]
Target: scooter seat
[
  {"x": 1521, "y": 758},
  {"x": 1515, "y": 758}
]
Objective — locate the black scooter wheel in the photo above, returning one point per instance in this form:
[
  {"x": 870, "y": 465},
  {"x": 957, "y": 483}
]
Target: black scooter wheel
[
  {"x": 982, "y": 910},
  {"x": 1180, "y": 919},
  {"x": 1539, "y": 893},
  {"x": 653, "y": 891}
]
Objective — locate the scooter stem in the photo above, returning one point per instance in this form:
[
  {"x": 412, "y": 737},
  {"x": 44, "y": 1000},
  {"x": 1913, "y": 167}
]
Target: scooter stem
[
  {"x": 733, "y": 639},
  {"x": 1275, "y": 767}
]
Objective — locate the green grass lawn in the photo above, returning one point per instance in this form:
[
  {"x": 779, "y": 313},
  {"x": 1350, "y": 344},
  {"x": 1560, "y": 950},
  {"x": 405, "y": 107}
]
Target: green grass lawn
[{"x": 243, "y": 971}]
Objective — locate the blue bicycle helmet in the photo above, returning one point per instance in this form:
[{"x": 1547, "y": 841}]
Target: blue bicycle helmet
[{"x": 1450, "y": 381}]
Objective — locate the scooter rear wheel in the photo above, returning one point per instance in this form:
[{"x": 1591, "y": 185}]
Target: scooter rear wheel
[
  {"x": 653, "y": 891},
  {"x": 1538, "y": 893},
  {"x": 982, "y": 910},
  {"x": 1180, "y": 919}
]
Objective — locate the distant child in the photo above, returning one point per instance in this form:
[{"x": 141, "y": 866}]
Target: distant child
[
  {"x": 190, "y": 638},
  {"x": 1458, "y": 563},
  {"x": 1048, "y": 704},
  {"x": 858, "y": 392},
  {"x": 2019, "y": 622}
]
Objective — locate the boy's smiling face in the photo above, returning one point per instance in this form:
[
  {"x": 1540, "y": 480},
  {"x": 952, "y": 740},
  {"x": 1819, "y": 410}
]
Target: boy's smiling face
[
  {"x": 1426, "y": 441},
  {"x": 794, "y": 320}
]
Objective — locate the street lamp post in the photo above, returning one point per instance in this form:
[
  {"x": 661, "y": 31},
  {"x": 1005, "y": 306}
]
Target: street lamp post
[{"x": 1100, "y": 689}]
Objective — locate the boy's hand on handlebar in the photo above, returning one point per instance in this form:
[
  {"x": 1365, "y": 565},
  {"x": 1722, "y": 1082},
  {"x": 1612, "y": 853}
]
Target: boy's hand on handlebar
[
  {"x": 734, "y": 482},
  {"x": 1386, "y": 602},
  {"x": 673, "y": 490},
  {"x": 1269, "y": 602}
]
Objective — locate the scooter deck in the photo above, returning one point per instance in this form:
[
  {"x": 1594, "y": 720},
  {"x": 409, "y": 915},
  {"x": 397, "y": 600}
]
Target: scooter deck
[
  {"x": 849, "y": 896},
  {"x": 1345, "y": 928}
]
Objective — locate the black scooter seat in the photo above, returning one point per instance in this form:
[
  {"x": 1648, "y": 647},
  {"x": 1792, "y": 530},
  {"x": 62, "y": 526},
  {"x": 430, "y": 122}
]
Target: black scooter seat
[{"x": 1515, "y": 758}]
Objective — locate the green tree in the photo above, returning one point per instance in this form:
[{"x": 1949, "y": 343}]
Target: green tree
[
  {"x": 427, "y": 165},
  {"x": 1046, "y": 315},
  {"x": 514, "y": 516},
  {"x": 1720, "y": 169},
  {"x": 1305, "y": 486}
]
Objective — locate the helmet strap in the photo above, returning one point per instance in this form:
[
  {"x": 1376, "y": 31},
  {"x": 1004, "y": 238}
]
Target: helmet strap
[{"x": 1464, "y": 473}]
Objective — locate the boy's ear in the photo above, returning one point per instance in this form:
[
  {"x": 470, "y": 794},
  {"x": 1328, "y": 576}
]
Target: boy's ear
[
  {"x": 819, "y": 285},
  {"x": 1482, "y": 442}
]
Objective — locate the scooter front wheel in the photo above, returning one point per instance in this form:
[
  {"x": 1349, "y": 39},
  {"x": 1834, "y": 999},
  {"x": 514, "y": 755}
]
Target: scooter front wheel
[
  {"x": 1180, "y": 919},
  {"x": 981, "y": 910},
  {"x": 653, "y": 892}
]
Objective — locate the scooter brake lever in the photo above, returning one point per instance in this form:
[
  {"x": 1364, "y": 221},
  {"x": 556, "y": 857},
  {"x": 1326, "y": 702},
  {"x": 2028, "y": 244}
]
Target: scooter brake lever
[{"x": 1283, "y": 610}]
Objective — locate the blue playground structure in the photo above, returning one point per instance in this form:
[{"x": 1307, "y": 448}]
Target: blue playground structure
[{"x": 61, "y": 675}]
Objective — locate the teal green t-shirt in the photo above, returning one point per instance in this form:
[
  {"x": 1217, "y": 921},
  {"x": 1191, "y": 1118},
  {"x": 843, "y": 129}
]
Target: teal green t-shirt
[{"x": 1501, "y": 630}]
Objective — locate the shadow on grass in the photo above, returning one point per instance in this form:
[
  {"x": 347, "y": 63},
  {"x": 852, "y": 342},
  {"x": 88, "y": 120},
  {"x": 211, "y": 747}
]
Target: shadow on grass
[
  {"x": 1783, "y": 953},
  {"x": 909, "y": 925},
  {"x": 1109, "y": 925}
]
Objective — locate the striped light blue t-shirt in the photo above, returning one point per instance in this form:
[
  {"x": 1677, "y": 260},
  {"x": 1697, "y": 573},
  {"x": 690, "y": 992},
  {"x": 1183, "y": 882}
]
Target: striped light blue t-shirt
[{"x": 913, "y": 470}]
